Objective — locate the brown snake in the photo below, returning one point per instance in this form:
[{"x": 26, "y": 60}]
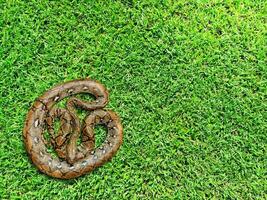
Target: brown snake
[{"x": 72, "y": 160}]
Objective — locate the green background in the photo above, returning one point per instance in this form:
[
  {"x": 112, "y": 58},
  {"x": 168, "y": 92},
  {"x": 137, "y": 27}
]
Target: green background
[{"x": 187, "y": 79}]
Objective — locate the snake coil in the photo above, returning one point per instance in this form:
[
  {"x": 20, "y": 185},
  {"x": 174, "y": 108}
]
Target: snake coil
[{"x": 72, "y": 160}]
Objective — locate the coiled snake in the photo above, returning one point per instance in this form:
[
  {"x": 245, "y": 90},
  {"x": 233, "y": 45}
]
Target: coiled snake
[{"x": 72, "y": 160}]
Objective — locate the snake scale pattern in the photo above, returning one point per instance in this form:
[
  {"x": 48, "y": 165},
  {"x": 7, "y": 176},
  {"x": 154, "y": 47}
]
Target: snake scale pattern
[{"x": 72, "y": 159}]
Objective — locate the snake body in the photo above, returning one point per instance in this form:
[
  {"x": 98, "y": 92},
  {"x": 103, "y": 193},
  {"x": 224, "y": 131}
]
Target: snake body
[{"x": 72, "y": 160}]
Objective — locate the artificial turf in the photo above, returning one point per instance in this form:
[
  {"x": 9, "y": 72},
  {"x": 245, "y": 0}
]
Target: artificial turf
[{"x": 188, "y": 79}]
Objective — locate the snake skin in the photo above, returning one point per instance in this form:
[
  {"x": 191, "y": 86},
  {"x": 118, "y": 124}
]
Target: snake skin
[{"x": 71, "y": 160}]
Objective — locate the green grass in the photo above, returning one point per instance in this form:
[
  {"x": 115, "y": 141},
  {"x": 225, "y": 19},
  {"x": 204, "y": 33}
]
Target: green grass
[{"x": 187, "y": 79}]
